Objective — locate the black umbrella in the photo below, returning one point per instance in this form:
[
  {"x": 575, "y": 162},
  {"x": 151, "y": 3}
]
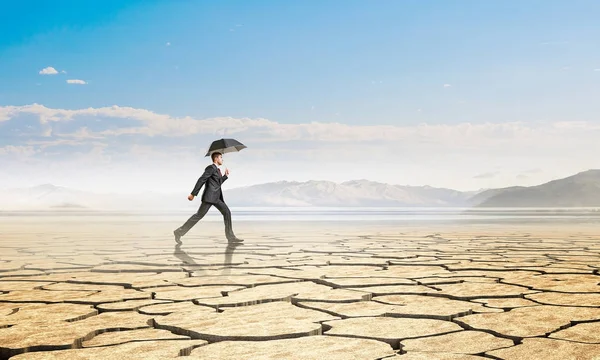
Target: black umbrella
[{"x": 225, "y": 146}]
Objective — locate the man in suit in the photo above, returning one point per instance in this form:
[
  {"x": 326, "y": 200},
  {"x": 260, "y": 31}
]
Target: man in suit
[{"x": 212, "y": 195}]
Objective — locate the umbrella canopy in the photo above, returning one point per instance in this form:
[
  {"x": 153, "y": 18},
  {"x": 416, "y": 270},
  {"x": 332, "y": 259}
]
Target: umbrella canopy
[{"x": 225, "y": 146}]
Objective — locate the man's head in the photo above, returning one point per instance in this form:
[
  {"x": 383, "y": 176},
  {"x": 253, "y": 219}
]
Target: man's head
[{"x": 217, "y": 158}]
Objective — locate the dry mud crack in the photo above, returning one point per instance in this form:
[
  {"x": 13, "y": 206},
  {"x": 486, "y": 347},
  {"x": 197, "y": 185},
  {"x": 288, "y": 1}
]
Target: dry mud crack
[{"x": 312, "y": 292}]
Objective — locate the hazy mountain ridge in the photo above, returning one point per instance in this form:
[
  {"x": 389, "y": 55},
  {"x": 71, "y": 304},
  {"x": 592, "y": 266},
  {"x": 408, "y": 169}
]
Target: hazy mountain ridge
[
  {"x": 360, "y": 193},
  {"x": 349, "y": 193},
  {"x": 579, "y": 190},
  {"x": 484, "y": 196},
  {"x": 49, "y": 196}
]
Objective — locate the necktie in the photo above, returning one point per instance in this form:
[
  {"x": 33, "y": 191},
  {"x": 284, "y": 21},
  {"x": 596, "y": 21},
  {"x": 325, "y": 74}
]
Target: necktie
[{"x": 219, "y": 170}]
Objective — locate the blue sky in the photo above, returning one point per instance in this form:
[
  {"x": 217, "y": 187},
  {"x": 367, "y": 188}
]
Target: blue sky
[{"x": 511, "y": 69}]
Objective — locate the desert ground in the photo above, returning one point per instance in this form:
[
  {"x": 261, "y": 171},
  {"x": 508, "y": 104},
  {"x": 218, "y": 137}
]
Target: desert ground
[{"x": 119, "y": 288}]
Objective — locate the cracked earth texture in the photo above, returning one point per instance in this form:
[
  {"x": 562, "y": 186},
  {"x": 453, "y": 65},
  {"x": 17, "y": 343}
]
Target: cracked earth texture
[{"x": 121, "y": 289}]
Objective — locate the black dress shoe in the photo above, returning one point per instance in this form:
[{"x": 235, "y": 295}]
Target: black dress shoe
[{"x": 177, "y": 237}]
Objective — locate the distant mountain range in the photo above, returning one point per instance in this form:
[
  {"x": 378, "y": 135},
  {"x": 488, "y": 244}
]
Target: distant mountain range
[
  {"x": 349, "y": 193},
  {"x": 580, "y": 190}
]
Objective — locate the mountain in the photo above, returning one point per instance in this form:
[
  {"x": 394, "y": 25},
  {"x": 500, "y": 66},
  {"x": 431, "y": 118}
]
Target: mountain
[
  {"x": 280, "y": 194},
  {"x": 68, "y": 206},
  {"x": 58, "y": 198},
  {"x": 46, "y": 195},
  {"x": 485, "y": 195},
  {"x": 349, "y": 193},
  {"x": 579, "y": 190}
]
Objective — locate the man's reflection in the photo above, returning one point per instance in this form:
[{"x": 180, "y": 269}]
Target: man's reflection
[
  {"x": 229, "y": 257},
  {"x": 188, "y": 260}
]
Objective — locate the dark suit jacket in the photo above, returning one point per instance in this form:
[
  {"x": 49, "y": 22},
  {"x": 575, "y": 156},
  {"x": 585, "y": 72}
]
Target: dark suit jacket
[{"x": 212, "y": 179}]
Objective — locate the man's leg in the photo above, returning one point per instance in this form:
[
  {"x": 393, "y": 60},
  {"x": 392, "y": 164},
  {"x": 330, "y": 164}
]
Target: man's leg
[
  {"x": 224, "y": 209},
  {"x": 202, "y": 210}
]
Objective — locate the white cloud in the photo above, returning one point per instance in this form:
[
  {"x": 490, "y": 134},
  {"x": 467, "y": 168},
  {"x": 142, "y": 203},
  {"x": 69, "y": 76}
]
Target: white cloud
[
  {"x": 63, "y": 72},
  {"x": 461, "y": 134},
  {"x": 533, "y": 171},
  {"x": 76, "y": 81},
  {"x": 7, "y": 112},
  {"x": 487, "y": 175},
  {"x": 17, "y": 150},
  {"x": 436, "y": 154},
  {"x": 47, "y": 132},
  {"x": 48, "y": 71},
  {"x": 42, "y": 144},
  {"x": 596, "y": 69},
  {"x": 447, "y": 85},
  {"x": 81, "y": 134},
  {"x": 168, "y": 44}
]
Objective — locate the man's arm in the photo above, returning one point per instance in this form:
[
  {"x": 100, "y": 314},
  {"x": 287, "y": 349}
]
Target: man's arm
[{"x": 207, "y": 173}]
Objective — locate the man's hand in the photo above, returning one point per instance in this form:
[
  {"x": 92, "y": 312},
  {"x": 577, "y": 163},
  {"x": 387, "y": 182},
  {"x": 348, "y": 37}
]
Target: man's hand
[
  {"x": 227, "y": 172},
  {"x": 191, "y": 197}
]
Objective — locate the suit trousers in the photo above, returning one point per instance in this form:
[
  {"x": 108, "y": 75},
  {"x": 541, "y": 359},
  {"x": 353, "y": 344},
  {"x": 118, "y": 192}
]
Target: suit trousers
[{"x": 202, "y": 210}]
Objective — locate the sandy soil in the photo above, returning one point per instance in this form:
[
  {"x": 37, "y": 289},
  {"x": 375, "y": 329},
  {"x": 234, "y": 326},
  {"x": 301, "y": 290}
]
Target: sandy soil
[{"x": 118, "y": 287}]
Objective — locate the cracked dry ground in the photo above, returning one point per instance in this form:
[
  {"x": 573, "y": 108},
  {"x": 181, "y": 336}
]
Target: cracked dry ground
[{"x": 304, "y": 291}]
